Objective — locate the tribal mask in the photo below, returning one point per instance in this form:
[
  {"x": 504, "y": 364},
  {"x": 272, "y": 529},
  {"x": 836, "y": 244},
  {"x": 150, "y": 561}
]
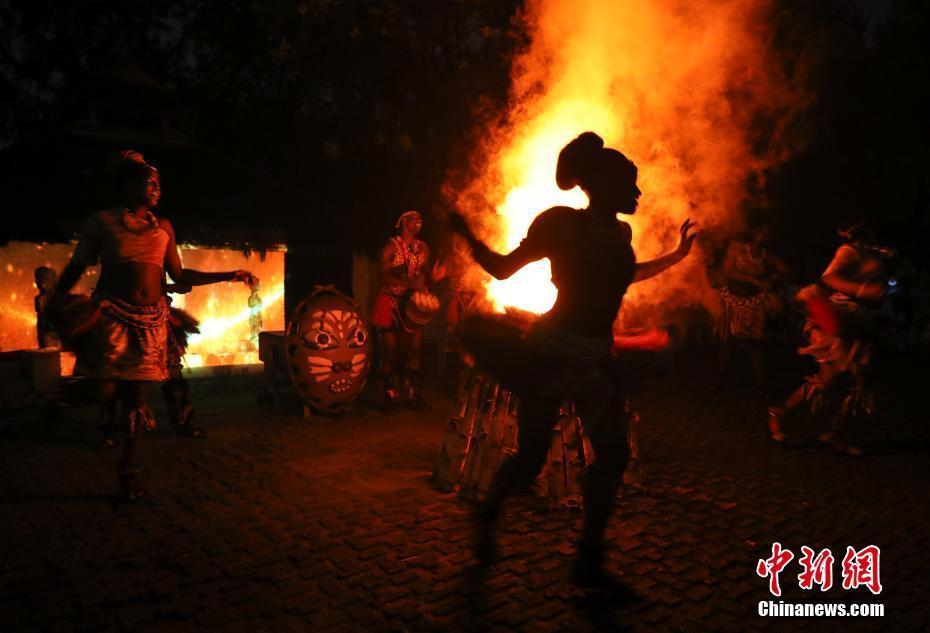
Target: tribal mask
[{"x": 328, "y": 350}]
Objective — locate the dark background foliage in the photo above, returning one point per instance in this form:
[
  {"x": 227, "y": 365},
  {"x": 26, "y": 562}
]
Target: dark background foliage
[
  {"x": 318, "y": 121},
  {"x": 345, "y": 112}
]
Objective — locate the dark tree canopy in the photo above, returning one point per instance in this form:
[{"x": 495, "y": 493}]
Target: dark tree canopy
[
  {"x": 351, "y": 108},
  {"x": 862, "y": 138},
  {"x": 334, "y": 115}
]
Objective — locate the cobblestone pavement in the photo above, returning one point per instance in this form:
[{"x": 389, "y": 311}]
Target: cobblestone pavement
[{"x": 279, "y": 523}]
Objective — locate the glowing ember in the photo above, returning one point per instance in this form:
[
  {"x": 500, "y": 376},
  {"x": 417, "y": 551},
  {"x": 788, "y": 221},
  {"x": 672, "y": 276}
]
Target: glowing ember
[{"x": 673, "y": 84}]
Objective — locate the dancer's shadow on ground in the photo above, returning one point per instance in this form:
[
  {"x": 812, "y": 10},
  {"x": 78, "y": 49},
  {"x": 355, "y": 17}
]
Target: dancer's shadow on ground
[
  {"x": 476, "y": 596},
  {"x": 603, "y": 607}
]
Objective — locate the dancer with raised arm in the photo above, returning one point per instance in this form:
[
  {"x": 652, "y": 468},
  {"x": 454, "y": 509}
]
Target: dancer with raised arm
[
  {"x": 842, "y": 314},
  {"x": 566, "y": 352},
  {"x": 121, "y": 333}
]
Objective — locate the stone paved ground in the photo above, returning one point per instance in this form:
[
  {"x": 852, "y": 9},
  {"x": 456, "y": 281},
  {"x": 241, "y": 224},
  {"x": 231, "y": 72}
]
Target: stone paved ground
[{"x": 277, "y": 523}]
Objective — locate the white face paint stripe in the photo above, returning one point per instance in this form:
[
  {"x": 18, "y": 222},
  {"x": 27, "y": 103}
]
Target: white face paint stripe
[{"x": 359, "y": 362}]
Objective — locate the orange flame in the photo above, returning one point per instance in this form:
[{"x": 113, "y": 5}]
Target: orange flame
[{"x": 674, "y": 84}]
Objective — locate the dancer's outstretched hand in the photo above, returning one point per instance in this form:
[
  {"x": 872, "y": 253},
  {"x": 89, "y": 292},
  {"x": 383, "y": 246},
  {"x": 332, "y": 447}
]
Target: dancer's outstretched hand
[
  {"x": 245, "y": 277},
  {"x": 438, "y": 273},
  {"x": 687, "y": 237}
]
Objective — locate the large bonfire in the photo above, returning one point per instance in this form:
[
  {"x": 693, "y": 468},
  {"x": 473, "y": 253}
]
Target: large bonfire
[{"x": 674, "y": 84}]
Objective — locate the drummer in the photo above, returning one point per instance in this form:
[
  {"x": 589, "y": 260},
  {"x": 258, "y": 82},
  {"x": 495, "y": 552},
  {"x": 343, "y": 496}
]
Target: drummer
[{"x": 405, "y": 272}]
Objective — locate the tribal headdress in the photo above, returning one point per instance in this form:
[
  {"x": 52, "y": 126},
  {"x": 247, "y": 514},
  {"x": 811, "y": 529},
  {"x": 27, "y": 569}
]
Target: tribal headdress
[{"x": 405, "y": 215}]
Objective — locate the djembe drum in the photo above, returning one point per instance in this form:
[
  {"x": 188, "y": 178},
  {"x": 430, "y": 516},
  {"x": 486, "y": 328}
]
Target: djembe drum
[{"x": 419, "y": 309}]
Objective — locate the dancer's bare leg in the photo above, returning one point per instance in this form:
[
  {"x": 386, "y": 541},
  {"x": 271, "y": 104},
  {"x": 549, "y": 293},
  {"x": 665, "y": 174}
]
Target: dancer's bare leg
[
  {"x": 535, "y": 418},
  {"x": 389, "y": 367},
  {"x": 176, "y": 393},
  {"x": 137, "y": 416},
  {"x": 414, "y": 353},
  {"x": 608, "y": 435},
  {"x": 723, "y": 364},
  {"x": 107, "y": 397},
  {"x": 839, "y": 422},
  {"x": 827, "y": 376},
  {"x": 756, "y": 352}
]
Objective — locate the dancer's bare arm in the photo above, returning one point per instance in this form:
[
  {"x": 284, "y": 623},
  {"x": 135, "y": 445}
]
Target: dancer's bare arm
[
  {"x": 85, "y": 253},
  {"x": 651, "y": 268},
  {"x": 434, "y": 274},
  {"x": 838, "y": 276},
  {"x": 189, "y": 276},
  {"x": 438, "y": 271},
  {"x": 69, "y": 276},
  {"x": 497, "y": 265},
  {"x": 870, "y": 291}
]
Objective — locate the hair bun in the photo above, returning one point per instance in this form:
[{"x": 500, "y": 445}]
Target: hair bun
[
  {"x": 132, "y": 156},
  {"x": 129, "y": 164},
  {"x": 577, "y": 158}
]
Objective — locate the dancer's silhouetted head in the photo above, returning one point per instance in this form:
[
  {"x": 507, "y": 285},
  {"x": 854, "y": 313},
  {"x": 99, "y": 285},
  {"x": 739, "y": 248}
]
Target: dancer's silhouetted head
[
  {"x": 138, "y": 181},
  {"x": 46, "y": 278},
  {"x": 410, "y": 223},
  {"x": 606, "y": 175},
  {"x": 856, "y": 231},
  {"x": 760, "y": 236}
]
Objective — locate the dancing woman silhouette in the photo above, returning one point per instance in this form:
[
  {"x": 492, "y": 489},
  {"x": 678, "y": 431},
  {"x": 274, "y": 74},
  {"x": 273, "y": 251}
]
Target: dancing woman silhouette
[
  {"x": 121, "y": 333},
  {"x": 566, "y": 353}
]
